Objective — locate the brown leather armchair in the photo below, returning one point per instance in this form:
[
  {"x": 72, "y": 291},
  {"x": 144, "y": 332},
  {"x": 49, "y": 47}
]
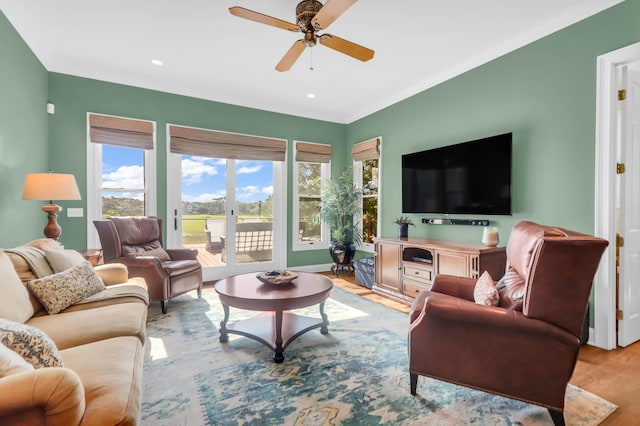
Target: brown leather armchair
[
  {"x": 137, "y": 242},
  {"x": 526, "y": 347}
]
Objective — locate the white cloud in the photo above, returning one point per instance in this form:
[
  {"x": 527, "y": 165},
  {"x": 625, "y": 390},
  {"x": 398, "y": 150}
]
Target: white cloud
[
  {"x": 252, "y": 191},
  {"x": 204, "y": 198},
  {"x": 248, "y": 191},
  {"x": 131, "y": 177},
  {"x": 194, "y": 168},
  {"x": 249, "y": 169}
]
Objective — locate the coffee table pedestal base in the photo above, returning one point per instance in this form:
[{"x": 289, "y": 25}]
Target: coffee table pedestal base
[{"x": 273, "y": 329}]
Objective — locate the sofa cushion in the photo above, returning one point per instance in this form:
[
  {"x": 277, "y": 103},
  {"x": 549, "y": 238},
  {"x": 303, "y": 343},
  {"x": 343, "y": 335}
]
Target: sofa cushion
[
  {"x": 11, "y": 362},
  {"x": 485, "y": 292},
  {"x": 59, "y": 291},
  {"x": 30, "y": 343},
  {"x": 15, "y": 304},
  {"x": 45, "y": 244},
  {"x": 74, "y": 328},
  {"x": 61, "y": 260},
  {"x": 111, "y": 374}
]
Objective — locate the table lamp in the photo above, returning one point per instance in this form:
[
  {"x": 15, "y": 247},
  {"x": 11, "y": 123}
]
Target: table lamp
[{"x": 51, "y": 186}]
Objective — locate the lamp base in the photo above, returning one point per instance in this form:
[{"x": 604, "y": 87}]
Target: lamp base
[{"x": 52, "y": 230}]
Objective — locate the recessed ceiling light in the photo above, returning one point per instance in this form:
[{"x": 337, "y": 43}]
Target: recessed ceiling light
[
  {"x": 311, "y": 95},
  {"x": 157, "y": 62}
]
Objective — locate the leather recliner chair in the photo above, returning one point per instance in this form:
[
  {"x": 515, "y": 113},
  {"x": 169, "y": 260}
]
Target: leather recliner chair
[
  {"x": 137, "y": 243},
  {"x": 525, "y": 348}
]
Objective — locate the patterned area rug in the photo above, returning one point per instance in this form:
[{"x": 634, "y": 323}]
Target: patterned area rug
[{"x": 355, "y": 375}]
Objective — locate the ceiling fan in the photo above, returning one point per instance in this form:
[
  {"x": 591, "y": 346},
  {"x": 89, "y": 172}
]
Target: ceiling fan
[{"x": 311, "y": 17}]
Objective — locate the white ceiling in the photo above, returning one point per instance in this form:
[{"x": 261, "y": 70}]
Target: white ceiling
[{"x": 210, "y": 54}]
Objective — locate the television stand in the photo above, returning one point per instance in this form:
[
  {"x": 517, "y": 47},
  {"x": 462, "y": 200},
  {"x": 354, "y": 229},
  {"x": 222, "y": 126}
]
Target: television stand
[{"x": 406, "y": 267}]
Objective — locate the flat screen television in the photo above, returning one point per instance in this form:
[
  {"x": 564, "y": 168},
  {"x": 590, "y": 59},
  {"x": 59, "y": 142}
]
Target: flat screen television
[{"x": 468, "y": 178}]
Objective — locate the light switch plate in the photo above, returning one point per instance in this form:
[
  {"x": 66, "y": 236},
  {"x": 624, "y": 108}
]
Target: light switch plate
[{"x": 75, "y": 212}]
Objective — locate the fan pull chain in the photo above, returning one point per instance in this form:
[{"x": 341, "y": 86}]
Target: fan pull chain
[{"x": 310, "y": 59}]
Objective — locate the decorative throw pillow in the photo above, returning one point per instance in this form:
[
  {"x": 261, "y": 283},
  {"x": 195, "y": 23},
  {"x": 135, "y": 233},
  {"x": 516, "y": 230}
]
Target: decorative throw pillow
[
  {"x": 511, "y": 290},
  {"x": 61, "y": 260},
  {"x": 11, "y": 362},
  {"x": 14, "y": 302},
  {"x": 30, "y": 343},
  {"x": 59, "y": 291},
  {"x": 485, "y": 292},
  {"x": 159, "y": 252}
]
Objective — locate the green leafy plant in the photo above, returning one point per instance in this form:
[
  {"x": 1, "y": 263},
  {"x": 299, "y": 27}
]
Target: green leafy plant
[
  {"x": 339, "y": 207},
  {"x": 403, "y": 220}
]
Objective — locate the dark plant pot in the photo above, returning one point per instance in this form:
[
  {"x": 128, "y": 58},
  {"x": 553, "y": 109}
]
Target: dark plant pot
[
  {"x": 403, "y": 230},
  {"x": 342, "y": 254}
]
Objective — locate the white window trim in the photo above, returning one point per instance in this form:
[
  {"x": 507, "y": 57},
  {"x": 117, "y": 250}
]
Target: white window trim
[
  {"x": 296, "y": 245},
  {"x": 94, "y": 182}
]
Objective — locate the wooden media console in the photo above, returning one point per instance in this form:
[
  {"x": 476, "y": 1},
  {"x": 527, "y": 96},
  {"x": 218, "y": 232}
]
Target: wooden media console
[{"x": 406, "y": 267}]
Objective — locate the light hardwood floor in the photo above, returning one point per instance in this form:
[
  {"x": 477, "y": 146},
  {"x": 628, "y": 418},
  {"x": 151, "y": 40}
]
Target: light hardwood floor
[{"x": 613, "y": 375}]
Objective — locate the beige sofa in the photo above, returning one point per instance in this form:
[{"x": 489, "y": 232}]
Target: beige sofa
[{"x": 100, "y": 340}]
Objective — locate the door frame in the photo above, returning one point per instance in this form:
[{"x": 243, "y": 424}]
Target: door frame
[
  {"x": 173, "y": 238},
  {"x": 605, "y": 333}
]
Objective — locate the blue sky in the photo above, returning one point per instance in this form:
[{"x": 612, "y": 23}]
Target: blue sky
[{"x": 203, "y": 179}]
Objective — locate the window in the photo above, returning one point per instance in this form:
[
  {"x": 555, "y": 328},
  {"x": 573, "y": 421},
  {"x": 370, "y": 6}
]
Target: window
[
  {"x": 120, "y": 169},
  {"x": 312, "y": 166},
  {"x": 366, "y": 169},
  {"x": 122, "y": 191}
]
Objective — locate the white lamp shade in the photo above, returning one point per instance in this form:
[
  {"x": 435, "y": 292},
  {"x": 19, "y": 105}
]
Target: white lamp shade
[{"x": 50, "y": 186}]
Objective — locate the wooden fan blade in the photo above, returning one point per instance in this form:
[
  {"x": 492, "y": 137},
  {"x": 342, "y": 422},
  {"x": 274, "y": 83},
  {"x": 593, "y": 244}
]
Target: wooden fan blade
[
  {"x": 330, "y": 12},
  {"x": 291, "y": 56},
  {"x": 241, "y": 12},
  {"x": 347, "y": 47}
]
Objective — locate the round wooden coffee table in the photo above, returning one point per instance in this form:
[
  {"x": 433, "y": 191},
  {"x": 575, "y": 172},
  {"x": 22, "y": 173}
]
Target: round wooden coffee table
[{"x": 274, "y": 327}]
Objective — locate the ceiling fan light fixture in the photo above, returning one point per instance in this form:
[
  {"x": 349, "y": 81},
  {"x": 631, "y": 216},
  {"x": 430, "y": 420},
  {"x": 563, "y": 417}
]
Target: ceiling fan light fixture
[
  {"x": 311, "y": 16},
  {"x": 310, "y": 39}
]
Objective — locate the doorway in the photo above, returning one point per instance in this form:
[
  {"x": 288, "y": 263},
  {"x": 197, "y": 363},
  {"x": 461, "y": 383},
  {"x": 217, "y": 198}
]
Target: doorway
[
  {"x": 617, "y": 307},
  {"x": 228, "y": 209}
]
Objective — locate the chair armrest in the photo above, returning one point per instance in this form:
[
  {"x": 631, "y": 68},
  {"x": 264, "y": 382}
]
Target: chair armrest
[
  {"x": 148, "y": 267},
  {"x": 182, "y": 254},
  {"x": 113, "y": 273},
  {"x": 493, "y": 320},
  {"x": 460, "y": 287},
  {"x": 54, "y": 391}
]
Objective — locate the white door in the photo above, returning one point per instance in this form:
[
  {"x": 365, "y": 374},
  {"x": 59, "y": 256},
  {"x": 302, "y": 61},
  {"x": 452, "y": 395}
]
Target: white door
[
  {"x": 228, "y": 210},
  {"x": 629, "y": 290}
]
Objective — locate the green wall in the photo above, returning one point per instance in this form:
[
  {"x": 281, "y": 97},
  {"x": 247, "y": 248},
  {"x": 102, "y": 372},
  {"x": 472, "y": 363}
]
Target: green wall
[
  {"x": 23, "y": 136},
  {"x": 545, "y": 93},
  {"x": 74, "y": 97}
]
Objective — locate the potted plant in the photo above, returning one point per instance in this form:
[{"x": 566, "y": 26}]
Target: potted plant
[
  {"x": 403, "y": 223},
  {"x": 339, "y": 208}
]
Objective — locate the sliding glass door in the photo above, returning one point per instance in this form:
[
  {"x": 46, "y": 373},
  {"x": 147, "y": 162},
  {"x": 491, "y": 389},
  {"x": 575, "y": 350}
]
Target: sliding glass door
[{"x": 230, "y": 210}]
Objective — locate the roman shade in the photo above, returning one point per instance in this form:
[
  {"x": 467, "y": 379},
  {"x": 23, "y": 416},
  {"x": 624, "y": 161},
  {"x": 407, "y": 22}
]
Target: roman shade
[
  {"x": 125, "y": 132},
  {"x": 313, "y": 152},
  {"x": 367, "y": 150},
  {"x": 217, "y": 144}
]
